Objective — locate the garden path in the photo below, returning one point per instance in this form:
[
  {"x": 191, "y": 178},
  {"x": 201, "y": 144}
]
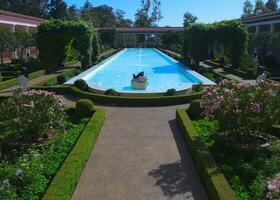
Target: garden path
[
  {"x": 140, "y": 155},
  {"x": 231, "y": 76},
  {"x": 9, "y": 91}
]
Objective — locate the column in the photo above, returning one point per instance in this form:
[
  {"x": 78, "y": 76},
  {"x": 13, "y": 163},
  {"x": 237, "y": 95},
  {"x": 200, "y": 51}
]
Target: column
[
  {"x": 156, "y": 37},
  {"x": 145, "y": 41},
  {"x": 124, "y": 40},
  {"x": 272, "y": 28},
  {"x": 257, "y": 28},
  {"x": 14, "y": 53},
  {"x": 134, "y": 40},
  {"x": 28, "y": 49}
]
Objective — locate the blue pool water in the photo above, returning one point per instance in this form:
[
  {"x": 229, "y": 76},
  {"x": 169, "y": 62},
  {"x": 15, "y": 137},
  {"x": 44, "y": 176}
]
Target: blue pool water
[{"x": 162, "y": 72}]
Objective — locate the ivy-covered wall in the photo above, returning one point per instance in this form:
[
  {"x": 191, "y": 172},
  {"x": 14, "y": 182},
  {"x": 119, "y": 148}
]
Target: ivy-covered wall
[
  {"x": 55, "y": 36},
  {"x": 231, "y": 35}
]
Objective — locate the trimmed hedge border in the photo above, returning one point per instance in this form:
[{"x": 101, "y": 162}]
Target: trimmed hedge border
[
  {"x": 172, "y": 54},
  {"x": 14, "y": 81},
  {"x": 124, "y": 100},
  {"x": 40, "y": 84},
  {"x": 65, "y": 180},
  {"x": 214, "y": 180}
]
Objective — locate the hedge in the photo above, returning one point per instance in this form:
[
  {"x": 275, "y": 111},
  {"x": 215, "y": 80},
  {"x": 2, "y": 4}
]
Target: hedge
[
  {"x": 275, "y": 130},
  {"x": 124, "y": 100},
  {"x": 212, "y": 63},
  {"x": 172, "y": 54},
  {"x": 65, "y": 180},
  {"x": 66, "y": 73},
  {"x": 107, "y": 54},
  {"x": 215, "y": 182},
  {"x": 14, "y": 81}
]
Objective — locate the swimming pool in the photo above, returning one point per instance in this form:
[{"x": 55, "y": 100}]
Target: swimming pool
[{"x": 163, "y": 72}]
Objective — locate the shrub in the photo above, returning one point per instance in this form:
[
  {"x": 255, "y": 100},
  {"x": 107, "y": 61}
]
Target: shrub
[
  {"x": 213, "y": 179},
  {"x": 84, "y": 108},
  {"x": 60, "y": 34},
  {"x": 170, "y": 92},
  {"x": 197, "y": 87},
  {"x": 111, "y": 92},
  {"x": 81, "y": 84},
  {"x": 63, "y": 184},
  {"x": 243, "y": 109},
  {"x": 32, "y": 114},
  {"x": 195, "y": 110},
  {"x": 61, "y": 79}
]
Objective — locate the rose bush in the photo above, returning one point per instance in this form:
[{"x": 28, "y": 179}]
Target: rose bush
[
  {"x": 273, "y": 188},
  {"x": 32, "y": 114},
  {"x": 243, "y": 109}
]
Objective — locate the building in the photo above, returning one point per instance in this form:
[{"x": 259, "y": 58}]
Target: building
[
  {"x": 17, "y": 22},
  {"x": 269, "y": 22}
]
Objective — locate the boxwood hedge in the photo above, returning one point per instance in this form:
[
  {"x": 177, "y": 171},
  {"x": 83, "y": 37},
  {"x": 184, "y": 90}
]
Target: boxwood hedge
[
  {"x": 63, "y": 184},
  {"x": 215, "y": 182},
  {"x": 124, "y": 100}
]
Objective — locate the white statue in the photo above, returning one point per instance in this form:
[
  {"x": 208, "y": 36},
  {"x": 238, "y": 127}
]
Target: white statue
[
  {"x": 23, "y": 80},
  {"x": 261, "y": 78}
]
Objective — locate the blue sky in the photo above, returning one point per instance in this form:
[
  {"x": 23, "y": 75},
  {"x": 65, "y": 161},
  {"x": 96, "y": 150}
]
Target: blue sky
[{"x": 173, "y": 10}]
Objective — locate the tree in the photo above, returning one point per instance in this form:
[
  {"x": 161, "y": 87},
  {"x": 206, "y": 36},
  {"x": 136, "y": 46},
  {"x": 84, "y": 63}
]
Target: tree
[
  {"x": 103, "y": 16},
  {"x": 156, "y": 12},
  {"x": 259, "y": 7},
  {"x": 143, "y": 18},
  {"x": 57, "y": 9},
  {"x": 272, "y": 5},
  {"x": 247, "y": 8},
  {"x": 36, "y": 8},
  {"x": 23, "y": 41},
  {"x": 72, "y": 13},
  {"x": 121, "y": 21},
  {"x": 7, "y": 42},
  {"x": 86, "y": 11},
  {"x": 189, "y": 19}
]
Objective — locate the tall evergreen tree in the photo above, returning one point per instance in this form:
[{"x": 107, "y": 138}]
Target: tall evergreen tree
[
  {"x": 58, "y": 9},
  {"x": 272, "y": 5},
  {"x": 248, "y": 8},
  {"x": 259, "y": 7}
]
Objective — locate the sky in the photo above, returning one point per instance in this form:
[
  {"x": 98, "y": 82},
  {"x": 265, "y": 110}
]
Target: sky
[{"x": 173, "y": 10}]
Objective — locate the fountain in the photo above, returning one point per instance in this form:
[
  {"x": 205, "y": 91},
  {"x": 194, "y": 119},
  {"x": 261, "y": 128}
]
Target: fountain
[{"x": 139, "y": 81}]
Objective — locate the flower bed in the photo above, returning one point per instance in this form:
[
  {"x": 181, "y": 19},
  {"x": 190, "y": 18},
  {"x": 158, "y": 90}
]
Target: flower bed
[
  {"x": 36, "y": 138},
  {"x": 235, "y": 129}
]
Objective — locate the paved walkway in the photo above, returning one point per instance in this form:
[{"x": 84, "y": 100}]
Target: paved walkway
[{"x": 140, "y": 155}]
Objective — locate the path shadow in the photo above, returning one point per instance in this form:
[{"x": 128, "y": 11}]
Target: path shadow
[
  {"x": 171, "y": 179},
  {"x": 180, "y": 177}
]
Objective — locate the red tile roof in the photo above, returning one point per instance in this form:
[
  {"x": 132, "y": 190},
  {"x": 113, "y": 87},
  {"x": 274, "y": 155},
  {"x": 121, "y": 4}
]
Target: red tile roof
[{"x": 20, "y": 18}]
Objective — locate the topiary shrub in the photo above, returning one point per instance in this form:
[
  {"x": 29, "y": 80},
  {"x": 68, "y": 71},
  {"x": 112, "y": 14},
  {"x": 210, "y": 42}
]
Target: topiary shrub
[
  {"x": 81, "y": 84},
  {"x": 61, "y": 79},
  {"x": 170, "y": 92},
  {"x": 195, "y": 110},
  {"x": 111, "y": 92},
  {"x": 84, "y": 108}
]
